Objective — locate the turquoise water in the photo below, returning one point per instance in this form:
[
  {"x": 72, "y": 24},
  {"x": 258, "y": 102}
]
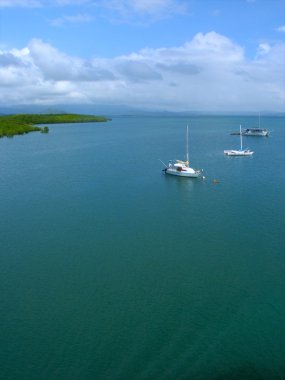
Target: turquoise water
[{"x": 112, "y": 270}]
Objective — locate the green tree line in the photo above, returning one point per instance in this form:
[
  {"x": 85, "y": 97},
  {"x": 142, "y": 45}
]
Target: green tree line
[{"x": 20, "y": 124}]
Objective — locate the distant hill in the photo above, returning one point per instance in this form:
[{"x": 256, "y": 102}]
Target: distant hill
[
  {"x": 68, "y": 108},
  {"x": 115, "y": 110}
]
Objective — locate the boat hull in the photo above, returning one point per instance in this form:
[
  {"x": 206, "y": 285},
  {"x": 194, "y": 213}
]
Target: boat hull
[
  {"x": 256, "y": 132},
  {"x": 238, "y": 152},
  {"x": 262, "y": 133},
  {"x": 194, "y": 174}
]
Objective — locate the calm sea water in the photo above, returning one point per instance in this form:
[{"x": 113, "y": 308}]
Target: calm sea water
[{"x": 112, "y": 270}]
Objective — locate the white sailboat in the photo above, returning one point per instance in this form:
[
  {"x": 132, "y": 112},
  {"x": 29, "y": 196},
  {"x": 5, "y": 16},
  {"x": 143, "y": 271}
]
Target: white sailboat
[
  {"x": 240, "y": 152},
  {"x": 182, "y": 168},
  {"x": 256, "y": 131}
]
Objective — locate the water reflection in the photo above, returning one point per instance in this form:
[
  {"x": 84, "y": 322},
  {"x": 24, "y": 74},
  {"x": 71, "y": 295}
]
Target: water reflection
[{"x": 183, "y": 183}]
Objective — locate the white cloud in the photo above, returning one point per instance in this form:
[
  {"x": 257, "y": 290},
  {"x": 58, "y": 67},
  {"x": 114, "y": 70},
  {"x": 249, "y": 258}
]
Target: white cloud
[
  {"x": 71, "y": 2},
  {"x": 142, "y": 10},
  {"x": 122, "y": 8},
  {"x": 208, "y": 73},
  {"x": 137, "y": 71},
  {"x": 20, "y": 3},
  {"x": 41, "y": 3},
  {"x": 57, "y": 66},
  {"x": 130, "y": 11},
  {"x": 74, "y": 19},
  {"x": 264, "y": 48},
  {"x": 146, "y": 6},
  {"x": 216, "y": 12},
  {"x": 281, "y": 29}
]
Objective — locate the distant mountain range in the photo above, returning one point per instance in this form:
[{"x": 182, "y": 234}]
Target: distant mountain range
[
  {"x": 112, "y": 110},
  {"x": 69, "y": 108}
]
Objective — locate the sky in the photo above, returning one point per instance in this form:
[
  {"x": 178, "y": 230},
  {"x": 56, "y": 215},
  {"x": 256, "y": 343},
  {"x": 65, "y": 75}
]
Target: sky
[{"x": 157, "y": 55}]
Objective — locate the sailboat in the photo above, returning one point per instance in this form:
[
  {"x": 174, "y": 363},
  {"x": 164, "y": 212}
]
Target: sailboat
[
  {"x": 182, "y": 168},
  {"x": 256, "y": 131},
  {"x": 240, "y": 152}
]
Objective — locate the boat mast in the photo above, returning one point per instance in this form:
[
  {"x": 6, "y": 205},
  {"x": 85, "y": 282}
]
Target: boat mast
[
  {"x": 240, "y": 137},
  {"x": 187, "y": 152}
]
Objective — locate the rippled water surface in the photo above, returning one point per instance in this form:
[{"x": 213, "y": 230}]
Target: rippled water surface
[{"x": 112, "y": 270}]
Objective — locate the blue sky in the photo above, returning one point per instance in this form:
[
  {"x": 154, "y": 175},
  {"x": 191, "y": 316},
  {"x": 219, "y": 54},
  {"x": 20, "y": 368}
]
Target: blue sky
[{"x": 175, "y": 55}]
